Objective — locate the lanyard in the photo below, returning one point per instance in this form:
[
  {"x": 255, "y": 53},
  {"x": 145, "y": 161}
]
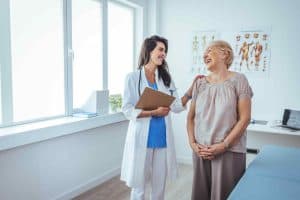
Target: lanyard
[{"x": 140, "y": 82}]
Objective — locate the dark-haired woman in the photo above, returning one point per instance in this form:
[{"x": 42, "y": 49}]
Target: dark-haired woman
[{"x": 149, "y": 153}]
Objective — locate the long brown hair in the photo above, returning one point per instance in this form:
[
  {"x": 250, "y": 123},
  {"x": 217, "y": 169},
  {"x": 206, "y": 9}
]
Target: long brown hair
[{"x": 148, "y": 46}]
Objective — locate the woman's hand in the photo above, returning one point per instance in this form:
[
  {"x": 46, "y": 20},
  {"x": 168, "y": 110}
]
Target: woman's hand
[
  {"x": 161, "y": 111},
  {"x": 212, "y": 151},
  {"x": 197, "y": 148},
  {"x": 190, "y": 90},
  {"x": 188, "y": 95}
]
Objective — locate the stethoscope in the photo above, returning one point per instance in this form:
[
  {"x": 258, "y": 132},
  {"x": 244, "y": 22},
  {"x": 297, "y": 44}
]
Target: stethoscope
[{"x": 139, "y": 86}]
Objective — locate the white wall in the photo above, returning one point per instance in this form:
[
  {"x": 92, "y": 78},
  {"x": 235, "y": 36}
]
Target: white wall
[
  {"x": 281, "y": 89},
  {"x": 62, "y": 167}
]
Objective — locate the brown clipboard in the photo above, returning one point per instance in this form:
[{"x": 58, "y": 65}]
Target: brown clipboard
[{"x": 152, "y": 99}]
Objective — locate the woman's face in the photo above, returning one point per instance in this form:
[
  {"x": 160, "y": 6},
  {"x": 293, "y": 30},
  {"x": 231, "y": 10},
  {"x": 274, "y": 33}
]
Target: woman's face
[
  {"x": 213, "y": 56},
  {"x": 158, "y": 54}
]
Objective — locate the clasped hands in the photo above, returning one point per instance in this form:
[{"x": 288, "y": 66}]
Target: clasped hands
[{"x": 208, "y": 152}]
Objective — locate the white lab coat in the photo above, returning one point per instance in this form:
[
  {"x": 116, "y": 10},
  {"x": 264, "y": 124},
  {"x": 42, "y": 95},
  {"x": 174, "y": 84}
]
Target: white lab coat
[{"x": 132, "y": 171}]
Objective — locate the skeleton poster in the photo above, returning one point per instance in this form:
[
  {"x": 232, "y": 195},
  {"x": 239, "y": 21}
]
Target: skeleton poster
[{"x": 199, "y": 42}]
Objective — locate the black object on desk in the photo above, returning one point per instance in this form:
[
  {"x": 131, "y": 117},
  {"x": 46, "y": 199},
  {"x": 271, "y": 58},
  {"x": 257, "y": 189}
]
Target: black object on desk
[{"x": 291, "y": 119}]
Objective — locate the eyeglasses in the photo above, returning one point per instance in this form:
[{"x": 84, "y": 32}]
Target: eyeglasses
[{"x": 208, "y": 50}]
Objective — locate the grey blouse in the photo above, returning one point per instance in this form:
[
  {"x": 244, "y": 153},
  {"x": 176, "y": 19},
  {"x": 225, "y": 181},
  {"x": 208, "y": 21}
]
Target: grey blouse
[{"x": 216, "y": 109}]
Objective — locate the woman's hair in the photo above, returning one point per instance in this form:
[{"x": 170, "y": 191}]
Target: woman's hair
[
  {"x": 224, "y": 46},
  {"x": 148, "y": 46}
]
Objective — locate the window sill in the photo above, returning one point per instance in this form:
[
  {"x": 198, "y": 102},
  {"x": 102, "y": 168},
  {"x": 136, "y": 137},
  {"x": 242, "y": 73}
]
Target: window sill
[{"x": 11, "y": 137}]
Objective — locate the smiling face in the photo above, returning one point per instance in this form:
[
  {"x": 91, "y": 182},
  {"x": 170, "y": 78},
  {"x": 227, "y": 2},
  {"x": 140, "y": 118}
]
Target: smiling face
[
  {"x": 213, "y": 56},
  {"x": 158, "y": 55},
  {"x": 218, "y": 54}
]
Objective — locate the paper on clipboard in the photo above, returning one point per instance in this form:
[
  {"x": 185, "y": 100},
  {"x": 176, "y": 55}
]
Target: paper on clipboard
[{"x": 152, "y": 99}]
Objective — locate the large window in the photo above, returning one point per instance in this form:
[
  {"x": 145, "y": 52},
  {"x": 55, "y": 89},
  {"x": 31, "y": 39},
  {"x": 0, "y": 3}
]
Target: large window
[
  {"x": 56, "y": 53},
  {"x": 120, "y": 45},
  {"x": 87, "y": 47},
  {"x": 37, "y": 59}
]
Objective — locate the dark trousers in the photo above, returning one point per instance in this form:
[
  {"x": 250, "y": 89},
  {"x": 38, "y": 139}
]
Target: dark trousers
[{"x": 215, "y": 179}]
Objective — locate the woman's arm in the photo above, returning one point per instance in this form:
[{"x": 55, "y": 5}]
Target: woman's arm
[
  {"x": 191, "y": 124},
  {"x": 244, "y": 94},
  {"x": 191, "y": 130},
  {"x": 244, "y": 113},
  {"x": 188, "y": 95}
]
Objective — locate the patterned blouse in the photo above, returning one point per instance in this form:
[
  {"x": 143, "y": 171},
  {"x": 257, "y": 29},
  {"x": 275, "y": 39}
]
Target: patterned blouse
[{"x": 216, "y": 111}]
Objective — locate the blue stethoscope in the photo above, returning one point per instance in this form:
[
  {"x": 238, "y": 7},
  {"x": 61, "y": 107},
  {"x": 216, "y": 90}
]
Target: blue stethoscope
[{"x": 139, "y": 86}]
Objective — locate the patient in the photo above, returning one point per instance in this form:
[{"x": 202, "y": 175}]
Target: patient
[{"x": 218, "y": 117}]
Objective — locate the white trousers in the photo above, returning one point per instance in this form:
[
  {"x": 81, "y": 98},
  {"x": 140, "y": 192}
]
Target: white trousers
[{"x": 155, "y": 173}]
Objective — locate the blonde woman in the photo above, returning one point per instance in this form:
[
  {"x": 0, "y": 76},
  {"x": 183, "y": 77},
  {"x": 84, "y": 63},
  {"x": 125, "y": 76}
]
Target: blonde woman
[{"x": 219, "y": 114}]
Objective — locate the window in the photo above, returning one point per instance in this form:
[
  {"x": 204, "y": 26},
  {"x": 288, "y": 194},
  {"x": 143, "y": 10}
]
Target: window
[
  {"x": 120, "y": 45},
  {"x": 87, "y": 46},
  {"x": 55, "y": 54},
  {"x": 37, "y": 59}
]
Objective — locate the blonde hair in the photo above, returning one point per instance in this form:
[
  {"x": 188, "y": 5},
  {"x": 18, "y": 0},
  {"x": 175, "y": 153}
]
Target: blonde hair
[{"x": 224, "y": 46}]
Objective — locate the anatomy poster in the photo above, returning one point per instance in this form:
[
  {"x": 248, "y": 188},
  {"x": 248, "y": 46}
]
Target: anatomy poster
[
  {"x": 251, "y": 52},
  {"x": 200, "y": 40}
]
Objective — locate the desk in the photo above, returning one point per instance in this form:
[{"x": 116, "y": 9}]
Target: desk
[
  {"x": 261, "y": 135},
  {"x": 270, "y": 129},
  {"x": 274, "y": 174}
]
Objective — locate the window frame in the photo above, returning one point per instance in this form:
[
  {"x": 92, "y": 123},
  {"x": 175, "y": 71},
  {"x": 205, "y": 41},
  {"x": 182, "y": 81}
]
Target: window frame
[
  {"x": 6, "y": 64},
  {"x": 134, "y": 44}
]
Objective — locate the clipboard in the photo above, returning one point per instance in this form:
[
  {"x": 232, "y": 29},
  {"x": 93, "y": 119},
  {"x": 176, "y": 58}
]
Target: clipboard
[{"x": 152, "y": 99}]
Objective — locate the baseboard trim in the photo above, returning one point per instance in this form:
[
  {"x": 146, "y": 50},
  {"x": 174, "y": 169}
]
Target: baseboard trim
[{"x": 89, "y": 184}]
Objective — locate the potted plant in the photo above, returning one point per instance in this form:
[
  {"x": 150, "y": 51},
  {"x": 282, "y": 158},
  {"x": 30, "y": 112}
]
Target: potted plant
[{"x": 115, "y": 102}]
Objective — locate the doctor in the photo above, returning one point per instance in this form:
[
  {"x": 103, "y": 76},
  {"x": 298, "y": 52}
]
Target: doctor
[{"x": 149, "y": 153}]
